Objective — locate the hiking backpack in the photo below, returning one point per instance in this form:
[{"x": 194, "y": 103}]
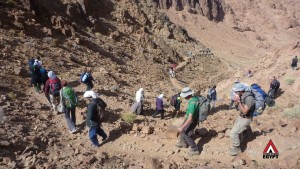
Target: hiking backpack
[
  {"x": 81, "y": 77},
  {"x": 204, "y": 108},
  {"x": 55, "y": 87},
  {"x": 261, "y": 99},
  {"x": 101, "y": 112},
  {"x": 30, "y": 64},
  {"x": 70, "y": 97},
  {"x": 173, "y": 100}
]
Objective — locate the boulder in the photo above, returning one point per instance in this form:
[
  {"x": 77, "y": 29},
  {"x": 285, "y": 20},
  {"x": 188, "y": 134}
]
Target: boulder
[{"x": 172, "y": 132}]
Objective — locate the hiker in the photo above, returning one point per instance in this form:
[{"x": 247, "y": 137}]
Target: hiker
[
  {"x": 249, "y": 73},
  {"x": 38, "y": 62},
  {"x": 68, "y": 100},
  {"x": 44, "y": 76},
  {"x": 87, "y": 79},
  {"x": 212, "y": 96},
  {"x": 137, "y": 107},
  {"x": 245, "y": 102},
  {"x": 191, "y": 121},
  {"x": 274, "y": 86},
  {"x": 294, "y": 63},
  {"x": 36, "y": 78},
  {"x": 159, "y": 106},
  {"x": 95, "y": 112},
  {"x": 232, "y": 93},
  {"x": 52, "y": 89},
  {"x": 172, "y": 72},
  {"x": 176, "y": 101}
]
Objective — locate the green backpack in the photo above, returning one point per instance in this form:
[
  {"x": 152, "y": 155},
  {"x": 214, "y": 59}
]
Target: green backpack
[{"x": 70, "y": 97}]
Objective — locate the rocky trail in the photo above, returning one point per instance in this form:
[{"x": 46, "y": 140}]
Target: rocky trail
[{"x": 130, "y": 44}]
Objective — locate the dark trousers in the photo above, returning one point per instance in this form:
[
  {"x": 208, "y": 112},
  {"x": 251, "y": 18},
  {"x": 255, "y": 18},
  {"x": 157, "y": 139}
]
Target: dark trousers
[
  {"x": 186, "y": 136},
  {"x": 162, "y": 112},
  {"x": 94, "y": 131},
  {"x": 89, "y": 86}
]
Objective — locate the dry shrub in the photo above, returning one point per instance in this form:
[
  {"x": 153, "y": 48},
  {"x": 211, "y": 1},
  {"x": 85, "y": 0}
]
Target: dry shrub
[
  {"x": 12, "y": 96},
  {"x": 129, "y": 117},
  {"x": 289, "y": 80},
  {"x": 293, "y": 112}
]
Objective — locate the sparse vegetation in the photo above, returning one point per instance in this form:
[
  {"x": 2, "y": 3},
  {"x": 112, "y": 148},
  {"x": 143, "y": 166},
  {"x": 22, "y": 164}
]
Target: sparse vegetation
[
  {"x": 12, "y": 95},
  {"x": 11, "y": 3},
  {"x": 293, "y": 112},
  {"x": 21, "y": 34},
  {"x": 289, "y": 81},
  {"x": 55, "y": 43},
  {"x": 128, "y": 117}
]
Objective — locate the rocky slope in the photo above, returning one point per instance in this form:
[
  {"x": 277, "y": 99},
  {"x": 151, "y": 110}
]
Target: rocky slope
[{"x": 130, "y": 44}]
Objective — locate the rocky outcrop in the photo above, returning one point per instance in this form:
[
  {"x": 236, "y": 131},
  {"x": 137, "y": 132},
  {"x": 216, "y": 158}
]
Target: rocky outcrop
[{"x": 212, "y": 9}]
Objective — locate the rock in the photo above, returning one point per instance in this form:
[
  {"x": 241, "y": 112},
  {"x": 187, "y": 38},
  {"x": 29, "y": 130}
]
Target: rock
[
  {"x": 20, "y": 71},
  {"x": 4, "y": 143},
  {"x": 135, "y": 127},
  {"x": 89, "y": 160},
  {"x": 221, "y": 135},
  {"x": 77, "y": 41},
  {"x": 152, "y": 163},
  {"x": 237, "y": 162},
  {"x": 202, "y": 132},
  {"x": 290, "y": 105},
  {"x": 147, "y": 130},
  {"x": 114, "y": 88},
  {"x": 124, "y": 124},
  {"x": 172, "y": 132}
]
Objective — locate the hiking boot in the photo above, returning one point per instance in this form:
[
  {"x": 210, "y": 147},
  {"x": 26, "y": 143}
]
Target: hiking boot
[
  {"x": 73, "y": 131},
  {"x": 180, "y": 145},
  {"x": 193, "y": 152},
  {"x": 235, "y": 151}
]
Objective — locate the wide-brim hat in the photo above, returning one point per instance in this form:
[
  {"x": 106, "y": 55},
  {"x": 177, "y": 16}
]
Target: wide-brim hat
[
  {"x": 186, "y": 92},
  {"x": 239, "y": 87},
  {"x": 89, "y": 94}
]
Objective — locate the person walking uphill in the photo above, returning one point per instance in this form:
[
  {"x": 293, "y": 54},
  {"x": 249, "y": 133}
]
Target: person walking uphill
[
  {"x": 68, "y": 100},
  {"x": 36, "y": 78},
  {"x": 294, "y": 63},
  {"x": 191, "y": 121},
  {"x": 52, "y": 89},
  {"x": 137, "y": 107},
  {"x": 246, "y": 105},
  {"x": 95, "y": 115},
  {"x": 87, "y": 79},
  {"x": 159, "y": 106}
]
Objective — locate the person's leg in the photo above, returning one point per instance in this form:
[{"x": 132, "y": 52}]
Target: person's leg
[
  {"x": 70, "y": 124},
  {"x": 188, "y": 137},
  {"x": 101, "y": 133},
  {"x": 73, "y": 115},
  {"x": 162, "y": 112},
  {"x": 155, "y": 113},
  {"x": 93, "y": 136},
  {"x": 231, "y": 104},
  {"x": 52, "y": 101},
  {"x": 239, "y": 127}
]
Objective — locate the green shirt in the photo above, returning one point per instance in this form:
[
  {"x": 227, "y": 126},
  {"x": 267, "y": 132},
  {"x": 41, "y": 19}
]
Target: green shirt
[{"x": 192, "y": 108}]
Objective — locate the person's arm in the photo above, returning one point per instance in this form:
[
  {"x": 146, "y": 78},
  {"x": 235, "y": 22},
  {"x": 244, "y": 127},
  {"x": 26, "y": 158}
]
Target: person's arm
[
  {"x": 243, "y": 107},
  {"x": 187, "y": 122}
]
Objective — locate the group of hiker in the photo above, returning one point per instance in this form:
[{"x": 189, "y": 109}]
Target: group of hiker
[
  {"x": 62, "y": 98},
  {"x": 249, "y": 100}
]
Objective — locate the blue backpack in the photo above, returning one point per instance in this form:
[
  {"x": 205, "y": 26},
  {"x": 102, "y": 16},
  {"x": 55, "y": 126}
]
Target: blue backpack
[
  {"x": 261, "y": 99},
  {"x": 30, "y": 64}
]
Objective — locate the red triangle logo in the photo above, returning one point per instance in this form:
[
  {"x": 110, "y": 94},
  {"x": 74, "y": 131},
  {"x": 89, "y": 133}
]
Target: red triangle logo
[{"x": 270, "y": 148}]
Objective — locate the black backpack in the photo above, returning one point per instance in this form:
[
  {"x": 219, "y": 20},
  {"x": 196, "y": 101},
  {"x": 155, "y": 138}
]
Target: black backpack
[{"x": 173, "y": 100}]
